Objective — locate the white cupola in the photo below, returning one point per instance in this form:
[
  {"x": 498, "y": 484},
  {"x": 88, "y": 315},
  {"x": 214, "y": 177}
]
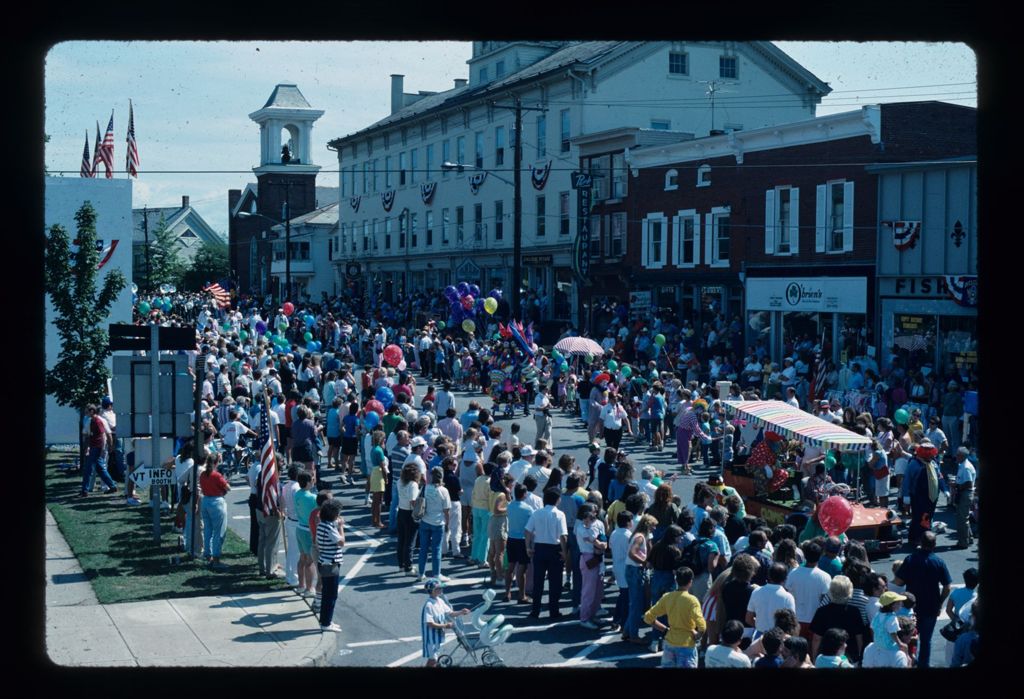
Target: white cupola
[{"x": 286, "y": 121}]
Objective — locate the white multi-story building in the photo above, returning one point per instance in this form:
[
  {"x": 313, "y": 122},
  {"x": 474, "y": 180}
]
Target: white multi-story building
[{"x": 412, "y": 225}]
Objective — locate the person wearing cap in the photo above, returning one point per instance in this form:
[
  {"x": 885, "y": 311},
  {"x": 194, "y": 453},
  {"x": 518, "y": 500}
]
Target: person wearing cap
[
  {"x": 417, "y": 445},
  {"x": 885, "y": 625},
  {"x": 926, "y": 576},
  {"x": 963, "y": 495},
  {"x": 523, "y": 462},
  {"x": 435, "y": 618},
  {"x": 542, "y": 413},
  {"x": 437, "y": 507}
]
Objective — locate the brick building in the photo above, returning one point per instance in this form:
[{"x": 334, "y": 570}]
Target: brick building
[{"x": 776, "y": 226}]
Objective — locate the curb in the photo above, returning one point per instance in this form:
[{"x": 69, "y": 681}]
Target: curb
[{"x": 324, "y": 651}]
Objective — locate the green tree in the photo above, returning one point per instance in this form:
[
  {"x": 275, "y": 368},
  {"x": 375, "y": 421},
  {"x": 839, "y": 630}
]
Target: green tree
[
  {"x": 165, "y": 261},
  {"x": 209, "y": 264},
  {"x": 80, "y": 374}
]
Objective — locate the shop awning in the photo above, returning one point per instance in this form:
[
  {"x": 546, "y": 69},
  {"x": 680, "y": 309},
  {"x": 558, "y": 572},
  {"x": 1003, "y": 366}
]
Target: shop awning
[{"x": 794, "y": 423}]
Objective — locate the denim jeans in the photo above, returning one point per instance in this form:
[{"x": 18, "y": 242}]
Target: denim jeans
[
  {"x": 329, "y": 592},
  {"x": 393, "y": 510},
  {"x": 662, "y": 581},
  {"x": 215, "y": 524},
  {"x": 678, "y": 656},
  {"x": 636, "y": 577},
  {"x": 95, "y": 460},
  {"x": 406, "y": 527},
  {"x": 431, "y": 536},
  {"x": 621, "y": 612}
]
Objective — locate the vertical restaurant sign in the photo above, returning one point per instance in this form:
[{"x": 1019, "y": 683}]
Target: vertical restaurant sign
[{"x": 582, "y": 183}]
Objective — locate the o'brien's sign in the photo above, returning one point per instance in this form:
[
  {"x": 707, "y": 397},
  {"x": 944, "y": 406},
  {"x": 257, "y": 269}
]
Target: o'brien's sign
[{"x": 828, "y": 294}]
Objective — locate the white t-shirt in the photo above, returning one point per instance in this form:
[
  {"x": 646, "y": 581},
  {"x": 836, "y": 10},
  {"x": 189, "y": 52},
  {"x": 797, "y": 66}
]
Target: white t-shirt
[
  {"x": 877, "y": 656},
  {"x": 724, "y": 656},
  {"x": 231, "y": 432},
  {"x": 420, "y": 464},
  {"x": 518, "y": 469},
  {"x": 807, "y": 585},
  {"x": 612, "y": 416},
  {"x": 438, "y": 500},
  {"x": 764, "y": 601},
  {"x": 542, "y": 475},
  {"x": 619, "y": 544}
]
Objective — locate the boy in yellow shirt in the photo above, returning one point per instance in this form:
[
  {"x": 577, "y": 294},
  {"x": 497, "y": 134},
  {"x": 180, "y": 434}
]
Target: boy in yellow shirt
[{"x": 685, "y": 622}]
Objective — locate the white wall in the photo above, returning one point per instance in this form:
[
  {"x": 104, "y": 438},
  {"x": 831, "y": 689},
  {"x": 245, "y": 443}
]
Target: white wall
[{"x": 112, "y": 200}]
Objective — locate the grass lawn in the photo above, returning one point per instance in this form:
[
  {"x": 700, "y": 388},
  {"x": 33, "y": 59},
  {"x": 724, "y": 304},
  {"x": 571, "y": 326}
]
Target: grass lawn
[{"x": 114, "y": 545}]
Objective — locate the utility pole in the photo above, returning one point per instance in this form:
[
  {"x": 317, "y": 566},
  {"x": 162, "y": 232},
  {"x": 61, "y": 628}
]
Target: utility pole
[
  {"x": 517, "y": 212},
  {"x": 145, "y": 232}
]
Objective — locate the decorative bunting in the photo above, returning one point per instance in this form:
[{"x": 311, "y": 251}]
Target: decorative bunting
[
  {"x": 354, "y": 203},
  {"x": 387, "y": 199},
  {"x": 963, "y": 290},
  {"x": 539, "y": 176},
  {"x": 427, "y": 190},
  {"x": 904, "y": 233},
  {"x": 476, "y": 180}
]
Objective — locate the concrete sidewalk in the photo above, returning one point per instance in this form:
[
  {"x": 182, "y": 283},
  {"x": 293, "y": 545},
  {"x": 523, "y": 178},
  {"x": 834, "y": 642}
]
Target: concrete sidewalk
[{"x": 272, "y": 629}]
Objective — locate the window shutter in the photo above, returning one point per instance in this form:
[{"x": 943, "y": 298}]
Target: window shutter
[
  {"x": 794, "y": 220},
  {"x": 769, "y": 222},
  {"x": 847, "y": 216},
  {"x": 709, "y": 238},
  {"x": 696, "y": 240},
  {"x": 821, "y": 218},
  {"x": 677, "y": 242},
  {"x": 644, "y": 244}
]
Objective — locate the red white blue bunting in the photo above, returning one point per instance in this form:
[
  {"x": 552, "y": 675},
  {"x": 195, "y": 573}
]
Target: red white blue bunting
[
  {"x": 476, "y": 180},
  {"x": 904, "y": 233},
  {"x": 387, "y": 199},
  {"x": 354, "y": 203},
  {"x": 539, "y": 175},
  {"x": 427, "y": 190},
  {"x": 963, "y": 290}
]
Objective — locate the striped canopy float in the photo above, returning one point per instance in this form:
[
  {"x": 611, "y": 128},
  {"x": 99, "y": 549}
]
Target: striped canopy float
[{"x": 794, "y": 423}]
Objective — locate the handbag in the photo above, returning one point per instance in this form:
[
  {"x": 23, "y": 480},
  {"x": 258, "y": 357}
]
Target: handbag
[
  {"x": 420, "y": 508},
  {"x": 882, "y": 472},
  {"x": 594, "y": 561},
  {"x": 953, "y": 630}
]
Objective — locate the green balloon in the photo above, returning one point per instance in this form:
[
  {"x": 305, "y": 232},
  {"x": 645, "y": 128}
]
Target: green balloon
[
  {"x": 901, "y": 417},
  {"x": 590, "y": 358},
  {"x": 626, "y": 371},
  {"x": 144, "y": 308},
  {"x": 307, "y": 336},
  {"x": 282, "y": 325},
  {"x": 659, "y": 340},
  {"x": 243, "y": 335},
  {"x": 440, "y": 325},
  {"x": 268, "y": 335},
  {"x": 555, "y": 354},
  {"x": 612, "y": 365},
  {"x": 564, "y": 367},
  {"x": 497, "y": 336}
]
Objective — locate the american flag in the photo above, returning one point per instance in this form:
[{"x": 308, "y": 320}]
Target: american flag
[
  {"x": 86, "y": 165},
  {"x": 222, "y": 297},
  {"x": 107, "y": 150},
  {"x": 132, "y": 157},
  {"x": 96, "y": 152},
  {"x": 268, "y": 481},
  {"x": 821, "y": 368}
]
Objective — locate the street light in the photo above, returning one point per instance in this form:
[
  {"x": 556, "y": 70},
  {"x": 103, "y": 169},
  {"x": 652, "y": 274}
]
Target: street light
[
  {"x": 287, "y": 245},
  {"x": 517, "y": 214}
]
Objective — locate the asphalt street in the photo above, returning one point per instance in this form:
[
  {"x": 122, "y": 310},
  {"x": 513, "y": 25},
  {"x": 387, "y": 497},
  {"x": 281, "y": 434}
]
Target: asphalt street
[{"x": 379, "y": 607}]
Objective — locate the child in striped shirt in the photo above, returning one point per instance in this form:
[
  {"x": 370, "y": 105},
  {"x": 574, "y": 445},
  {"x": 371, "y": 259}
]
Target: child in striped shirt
[{"x": 330, "y": 538}]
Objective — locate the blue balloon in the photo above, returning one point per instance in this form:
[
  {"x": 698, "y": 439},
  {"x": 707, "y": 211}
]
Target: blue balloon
[
  {"x": 281, "y": 349},
  {"x": 451, "y": 293},
  {"x": 474, "y": 290},
  {"x": 371, "y": 419},
  {"x": 310, "y": 321},
  {"x": 495, "y": 293},
  {"x": 311, "y": 345},
  {"x": 386, "y": 396},
  {"x": 463, "y": 288}
]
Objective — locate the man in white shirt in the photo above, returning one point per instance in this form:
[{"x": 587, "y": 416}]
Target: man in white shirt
[
  {"x": 542, "y": 414},
  {"x": 647, "y": 488},
  {"x": 808, "y": 584},
  {"x": 541, "y": 471},
  {"x": 519, "y": 468},
  {"x": 291, "y": 523},
  {"x": 788, "y": 373},
  {"x": 966, "y": 475},
  {"x": 791, "y": 398},
  {"x": 608, "y": 342},
  {"x": 444, "y": 399},
  {"x": 547, "y": 539},
  {"x": 764, "y": 601},
  {"x": 230, "y": 435},
  {"x": 417, "y": 446},
  {"x": 728, "y": 653}
]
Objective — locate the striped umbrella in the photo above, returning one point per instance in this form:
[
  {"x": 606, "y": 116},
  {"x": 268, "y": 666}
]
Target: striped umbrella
[
  {"x": 582, "y": 346},
  {"x": 794, "y": 423}
]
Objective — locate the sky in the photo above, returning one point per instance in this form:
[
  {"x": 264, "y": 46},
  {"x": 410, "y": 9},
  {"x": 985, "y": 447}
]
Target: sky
[{"x": 192, "y": 99}]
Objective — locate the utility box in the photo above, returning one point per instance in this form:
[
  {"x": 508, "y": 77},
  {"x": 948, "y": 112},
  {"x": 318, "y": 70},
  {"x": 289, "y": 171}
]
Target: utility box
[{"x": 132, "y": 386}]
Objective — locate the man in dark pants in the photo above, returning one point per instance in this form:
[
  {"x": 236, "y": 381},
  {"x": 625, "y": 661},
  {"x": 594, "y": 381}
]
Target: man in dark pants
[
  {"x": 927, "y": 577},
  {"x": 547, "y": 544},
  {"x": 920, "y": 489}
]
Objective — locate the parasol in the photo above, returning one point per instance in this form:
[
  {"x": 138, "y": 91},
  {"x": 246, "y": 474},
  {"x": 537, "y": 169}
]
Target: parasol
[{"x": 579, "y": 346}]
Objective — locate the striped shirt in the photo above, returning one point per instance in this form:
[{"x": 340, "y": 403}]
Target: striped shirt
[
  {"x": 328, "y": 539},
  {"x": 436, "y": 610}
]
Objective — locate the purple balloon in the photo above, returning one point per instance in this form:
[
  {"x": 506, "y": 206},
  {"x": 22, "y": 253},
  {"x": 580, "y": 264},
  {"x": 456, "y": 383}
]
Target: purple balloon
[
  {"x": 474, "y": 290},
  {"x": 463, "y": 288},
  {"x": 451, "y": 293},
  {"x": 261, "y": 327},
  {"x": 496, "y": 293}
]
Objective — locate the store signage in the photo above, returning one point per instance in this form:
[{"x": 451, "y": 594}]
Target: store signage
[
  {"x": 913, "y": 286},
  {"x": 538, "y": 260},
  {"x": 582, "y": 183},
  {"x": 639, "y": 304},
  {"x": 832, "y": 294}
]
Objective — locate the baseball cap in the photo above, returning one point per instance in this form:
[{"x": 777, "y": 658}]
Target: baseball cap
[
  {"x": 888, "y": 597},
  {"x": 527, "y": 450},
  {"x": 432, "y": 583},
  {"x": 417, "y": 442},
  {"x": 823, "y": 403},
  {"x": 107, "y": 401}
]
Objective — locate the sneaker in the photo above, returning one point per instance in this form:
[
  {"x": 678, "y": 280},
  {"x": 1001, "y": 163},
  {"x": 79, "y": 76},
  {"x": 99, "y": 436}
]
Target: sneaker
[
  {"x": 408, "y": 571},
  {"x": 444, "y": 578},
  {"x": 110, "y": 490},
  {"x": 421, "y": 578},
  {"x": 653, "y": 647},
  {"x": 132, "y": 501},
  {"x": 333, "y": 628},
  {"x": 589, "y": 625}
]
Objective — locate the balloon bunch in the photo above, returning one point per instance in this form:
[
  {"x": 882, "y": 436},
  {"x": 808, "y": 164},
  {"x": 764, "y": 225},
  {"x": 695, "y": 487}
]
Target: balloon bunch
[
  {"x": 157, "y": 303},
  {"x": 465, "y": 304}
]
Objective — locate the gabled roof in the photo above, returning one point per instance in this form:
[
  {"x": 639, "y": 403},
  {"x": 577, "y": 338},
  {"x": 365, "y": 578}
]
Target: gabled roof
[
  {"x": 325, "y": 195},
  {"x": 583, "y": 54},
  {"x": 186, "y": 218},
  {"x": 323, "y": 216},
  {"x": 287, "y": 96},
  {"x": 250, "y": 193}
]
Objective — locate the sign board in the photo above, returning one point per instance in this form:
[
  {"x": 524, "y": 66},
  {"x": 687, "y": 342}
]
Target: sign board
[
  {"x": 146, "y": 477},
  {"x": 823, "y": 294},
  {"x": 538, "y": 260},
  {"x": 639, "y": 304},
  {"x": 136, "y": 338},
  {"x": 582, "y": 182},
  {"x": 132, "y": 398}
]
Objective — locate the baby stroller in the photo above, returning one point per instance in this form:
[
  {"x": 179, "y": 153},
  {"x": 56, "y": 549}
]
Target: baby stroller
[{"x": 479, "y": 645}]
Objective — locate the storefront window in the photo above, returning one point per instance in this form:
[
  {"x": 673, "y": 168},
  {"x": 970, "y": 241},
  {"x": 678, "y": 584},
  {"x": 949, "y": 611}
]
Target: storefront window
[
  {"x": 914, "y": 340},
  {"x": 800, "y": 327},
  {"x": 959, "y": 352},
  {"x": 853, "y": 339}
]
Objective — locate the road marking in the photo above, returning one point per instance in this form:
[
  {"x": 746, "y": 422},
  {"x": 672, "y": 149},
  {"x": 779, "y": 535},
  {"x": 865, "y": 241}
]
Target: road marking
[
  {"x": 385, "y": 642},
  {"x": 594, "y": 661},
  {"x": 359, "y": 564},
  {"x": 418, "y": 654},
  {"x": 240, "y": 517},
  {"x": 582, "y": 655}
]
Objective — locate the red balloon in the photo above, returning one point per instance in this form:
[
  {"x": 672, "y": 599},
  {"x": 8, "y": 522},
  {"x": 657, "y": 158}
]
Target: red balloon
[
  {"x": 288, "y": 307},
  {"x": 468, "y": 301},
  {"x": 835, "y": 515},
  {"x": 376, "y": 406},
  {"x": 392, "y": 355}
]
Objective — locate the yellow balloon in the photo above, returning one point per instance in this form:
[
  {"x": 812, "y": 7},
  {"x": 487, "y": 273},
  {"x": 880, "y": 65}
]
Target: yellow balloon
[
  {"x": 468, "y": 325},
  {"x": 490, "y": 305}
]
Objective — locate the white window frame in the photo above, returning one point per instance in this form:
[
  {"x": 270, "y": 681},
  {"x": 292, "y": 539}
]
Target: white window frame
[
  {"x": 736, "y": 65},
  {"x": 686, "y": 64},
  {"x": 704, "y": 175},
  {"x": 414, "y": 164},
  {"x": 387, "y": 172},
  {"x": 672, "y": 180},
  {"x": 647, "y": 244},
  {"x": 413, "y": 236},
  {"x": 499, "y": 220},
  {"x": 711, "y": 236},
  {"x": 478, "y": 146},
  {"x": 614, "y": 233},
  {"x": 772, "y": 233},
  {"x": 446, "y": 219},
  {"x": 824, "y": 215},
  {"x": 564, "y": 213},
  {"x": 678, "y": 221},
  {"x": 428, "y": 240}
]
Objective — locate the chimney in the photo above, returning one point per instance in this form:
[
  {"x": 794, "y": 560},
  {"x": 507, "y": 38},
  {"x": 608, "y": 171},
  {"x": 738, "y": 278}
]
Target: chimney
[
  {"x": 397, "y": 88},
  {"x": 184, "y": 202},
  {"x": 460, "y": 82}
]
